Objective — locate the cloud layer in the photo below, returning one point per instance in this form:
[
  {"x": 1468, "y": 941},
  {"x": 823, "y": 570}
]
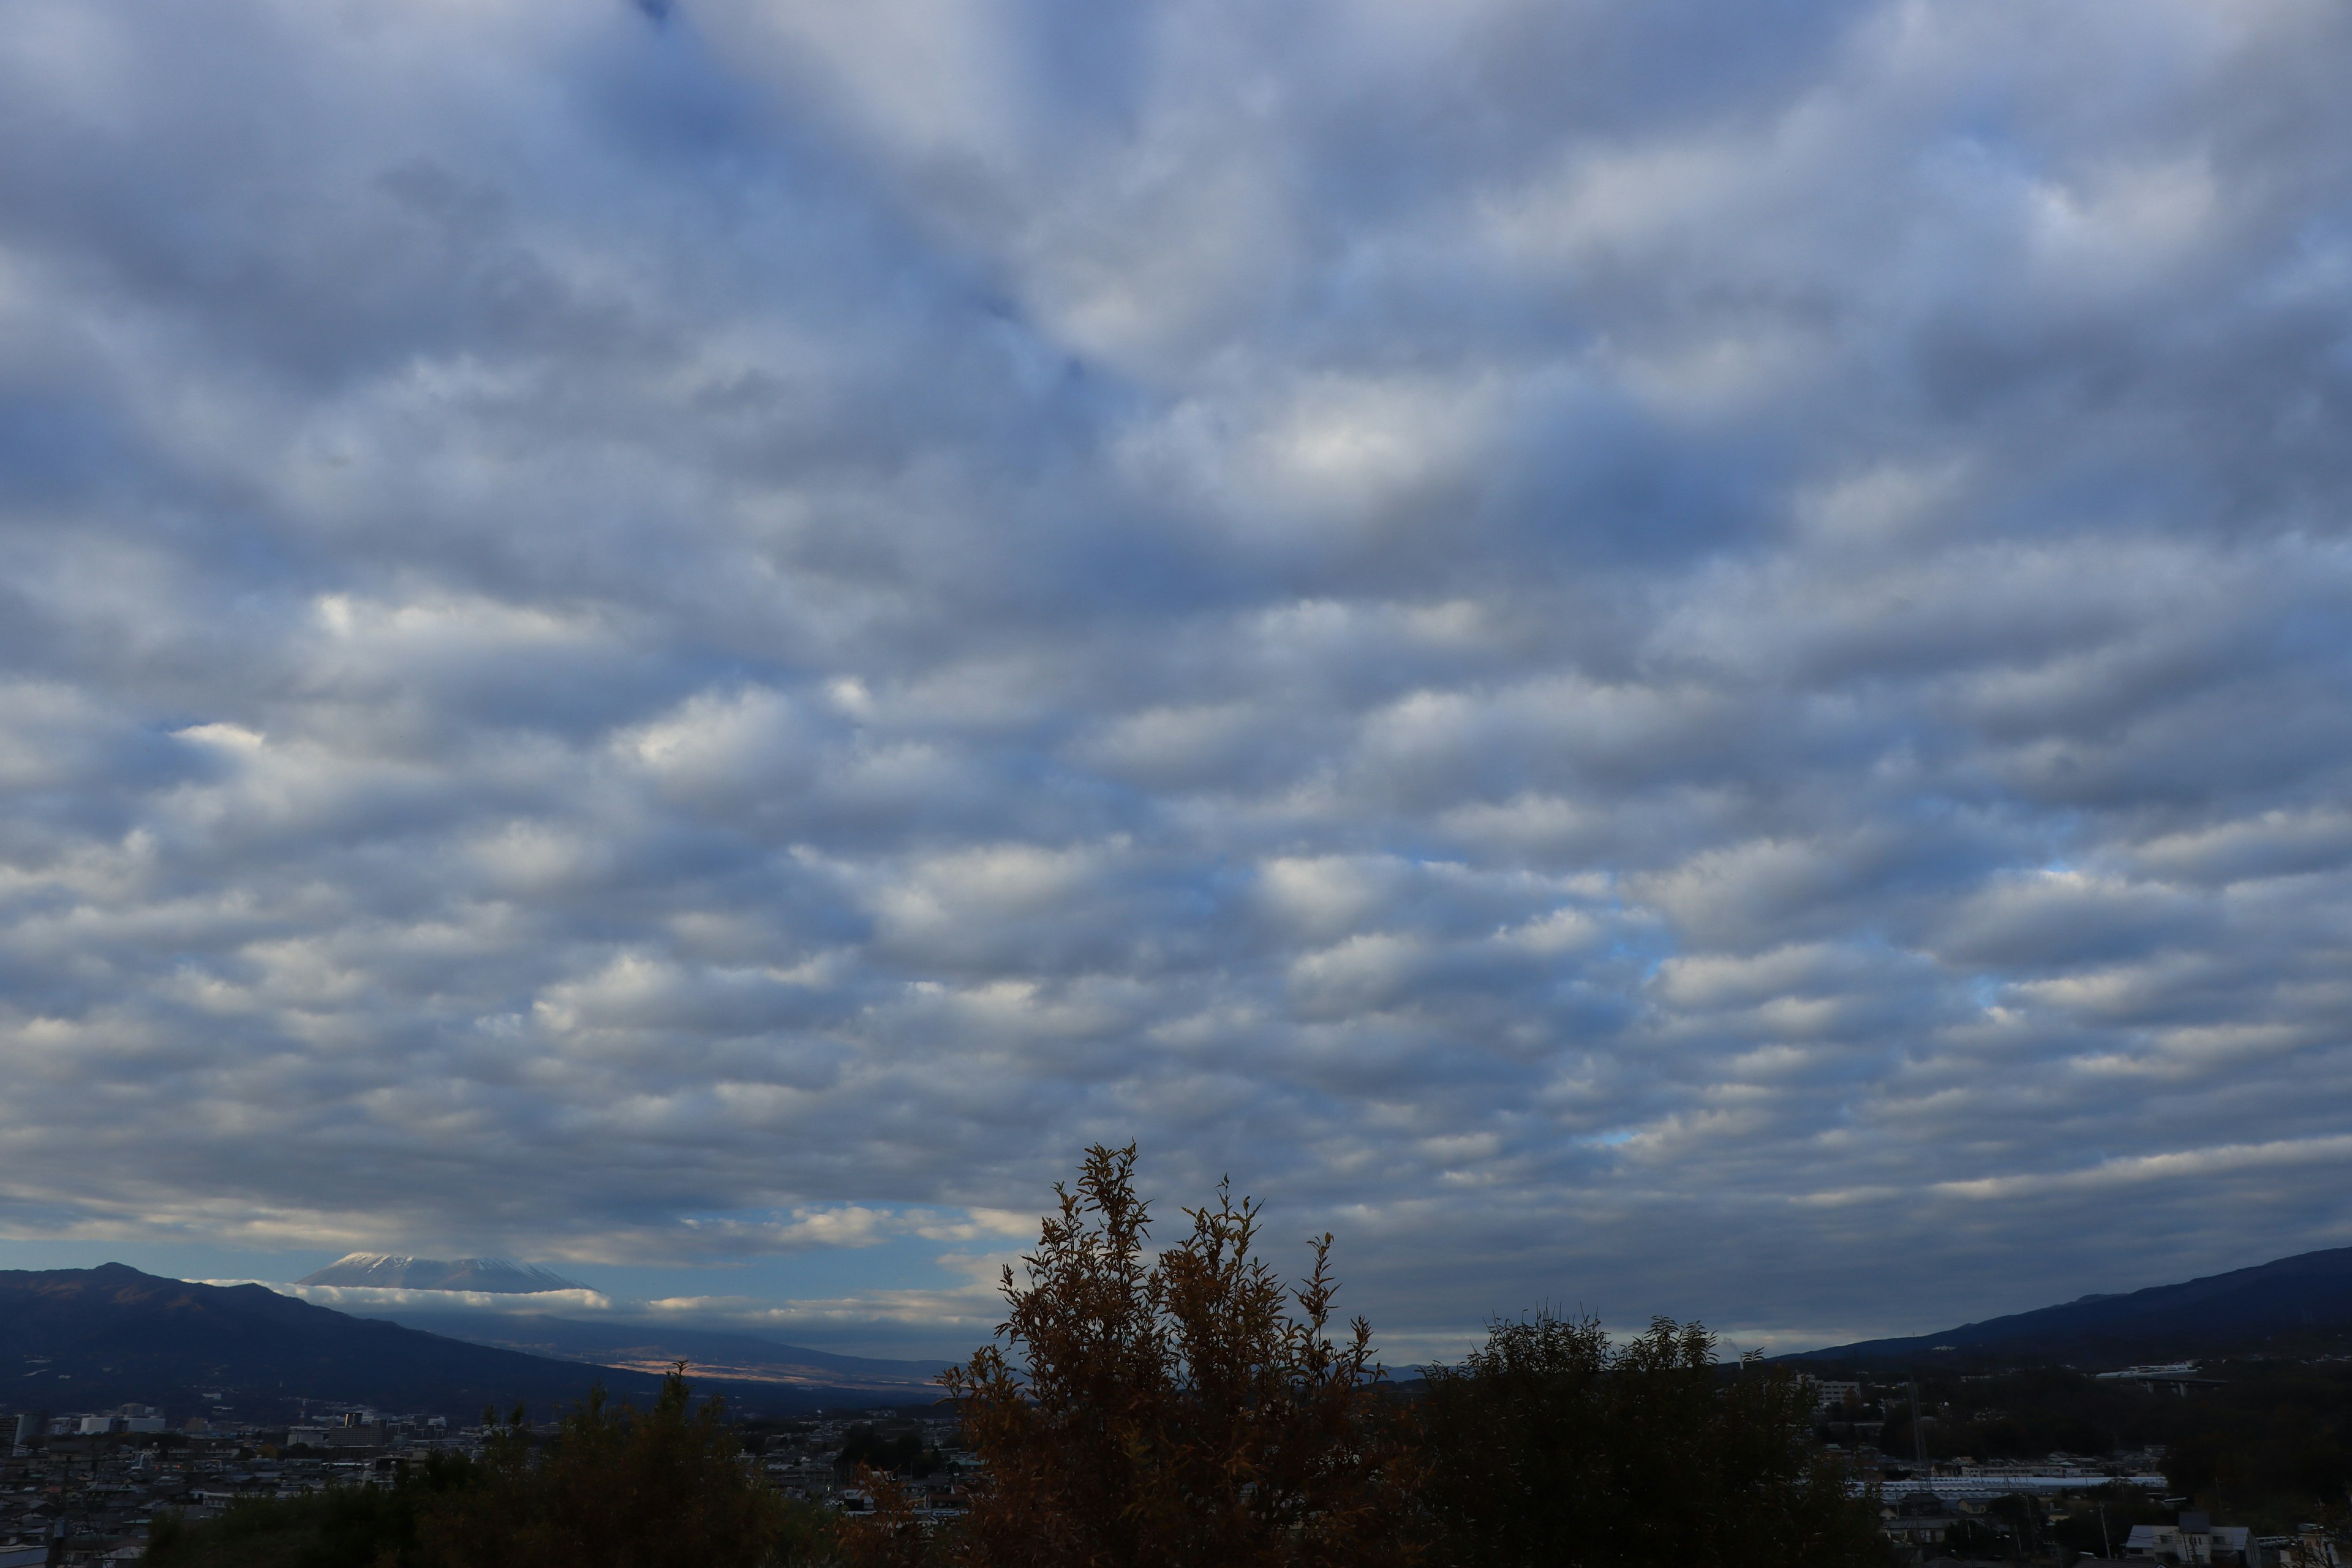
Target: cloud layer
[{"x": 1684, "y": 658}]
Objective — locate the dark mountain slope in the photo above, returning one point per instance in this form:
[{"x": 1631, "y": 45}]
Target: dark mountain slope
[
  {"x": 2309, "y": 1293},
  {"x": 112, "y": 1333}
]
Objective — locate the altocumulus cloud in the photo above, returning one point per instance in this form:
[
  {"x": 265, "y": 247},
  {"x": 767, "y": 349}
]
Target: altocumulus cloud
[{"x": 1686, "y": 656}]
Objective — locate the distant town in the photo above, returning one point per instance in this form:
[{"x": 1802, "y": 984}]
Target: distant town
[{"x": 87, "y": 1486}]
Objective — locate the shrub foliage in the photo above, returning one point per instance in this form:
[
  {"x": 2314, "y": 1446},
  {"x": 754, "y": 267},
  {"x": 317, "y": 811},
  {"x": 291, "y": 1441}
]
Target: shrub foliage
[
  {"x": 619, "y": 1487},
  {"x": 1176, "y": 1410},
  {"x": 1552, "y": 1445}
]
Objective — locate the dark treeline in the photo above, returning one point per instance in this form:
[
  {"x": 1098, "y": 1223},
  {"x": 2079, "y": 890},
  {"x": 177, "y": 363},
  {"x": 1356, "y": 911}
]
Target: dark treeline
[
  {"x": 1187, "y": 1410},
  {"x": 613, "y": 1485},
  {"x": 2265, "y": 1441}
]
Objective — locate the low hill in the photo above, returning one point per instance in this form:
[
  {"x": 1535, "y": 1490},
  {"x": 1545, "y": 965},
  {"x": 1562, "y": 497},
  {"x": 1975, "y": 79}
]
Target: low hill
[
  {"x": 89, "y": 1339},
  {"x": 2308, "y": 1294}
]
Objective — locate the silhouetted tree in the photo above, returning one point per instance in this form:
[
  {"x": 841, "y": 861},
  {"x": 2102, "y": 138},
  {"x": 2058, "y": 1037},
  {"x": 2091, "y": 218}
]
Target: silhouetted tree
[
  {"x": 1551, "y": 1445},
  {"x": 617, "y": 1488},
  {"x": 1183, "y": 1412},
  {"x": 341, "y": 1527}
]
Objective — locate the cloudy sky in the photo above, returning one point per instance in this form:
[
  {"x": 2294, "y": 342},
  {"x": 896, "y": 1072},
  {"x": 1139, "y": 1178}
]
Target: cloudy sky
[{"x": 1680, "y": 657}]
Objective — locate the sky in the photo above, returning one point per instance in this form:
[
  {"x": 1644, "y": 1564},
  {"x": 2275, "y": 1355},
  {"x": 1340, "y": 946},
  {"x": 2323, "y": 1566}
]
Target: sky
[{"x": 1642, "y": 656}]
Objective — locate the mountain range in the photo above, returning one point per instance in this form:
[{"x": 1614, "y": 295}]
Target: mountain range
[
  {"x": 89, "y": 1339},
  {"x": 651, "y": 1347},
  {"x": 2310, "y": 1293},
  {"x": 603, "y": 1341},
  {"x": 496, "y": 1275}
]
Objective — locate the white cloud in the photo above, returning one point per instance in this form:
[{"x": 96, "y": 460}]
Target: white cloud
[{"x": 1611, "y": 648}]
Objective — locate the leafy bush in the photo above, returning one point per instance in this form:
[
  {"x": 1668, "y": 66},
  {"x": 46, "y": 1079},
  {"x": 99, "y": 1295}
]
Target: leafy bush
[
  {"x": 616, "y": 1488},
  {"x": 1175, "y": 1412},
  {"x": 347, "y": 1527},
  {"x": 1552, "y": 1445}
]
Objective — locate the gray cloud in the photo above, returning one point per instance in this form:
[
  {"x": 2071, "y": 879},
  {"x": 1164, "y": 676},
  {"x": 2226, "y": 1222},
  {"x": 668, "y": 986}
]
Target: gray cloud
[{"x": 1635, "y": 655}]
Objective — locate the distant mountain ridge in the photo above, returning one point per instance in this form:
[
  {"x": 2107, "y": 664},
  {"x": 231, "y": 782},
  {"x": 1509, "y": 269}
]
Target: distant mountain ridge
[
  {"x": 634, "y": 1346},
  {"x": 81, "y": 1339},
  {"x": 649, "y": 1347},
  {"x": 89, "y": 1339},
  {"x": 2310, "y": 1291},
  {"x": 496, "y": 1275}
]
